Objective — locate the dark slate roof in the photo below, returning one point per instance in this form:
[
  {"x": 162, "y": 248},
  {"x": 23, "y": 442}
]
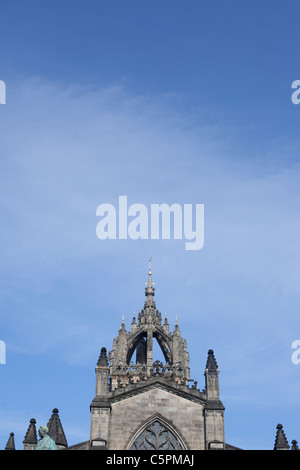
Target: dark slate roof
[
  {"x": 31, "y": 436},
  {"x": 56, "y": 430}
]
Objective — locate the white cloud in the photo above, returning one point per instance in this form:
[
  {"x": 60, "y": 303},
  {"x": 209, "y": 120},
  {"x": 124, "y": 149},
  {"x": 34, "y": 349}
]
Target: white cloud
[{"x": 65, "y": 150}]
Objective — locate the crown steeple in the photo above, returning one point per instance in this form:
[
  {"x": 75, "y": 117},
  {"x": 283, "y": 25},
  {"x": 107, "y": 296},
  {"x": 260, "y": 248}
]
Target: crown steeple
[{"x": 146, "y": 332}]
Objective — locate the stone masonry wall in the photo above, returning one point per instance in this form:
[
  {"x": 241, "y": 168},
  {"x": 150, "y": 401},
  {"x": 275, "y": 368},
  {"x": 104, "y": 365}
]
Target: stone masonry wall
[{"x": 128, "y": 415}]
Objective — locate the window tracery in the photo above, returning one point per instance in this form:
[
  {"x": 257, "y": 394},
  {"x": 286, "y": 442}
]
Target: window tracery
[{"x": 156, "y": 436}]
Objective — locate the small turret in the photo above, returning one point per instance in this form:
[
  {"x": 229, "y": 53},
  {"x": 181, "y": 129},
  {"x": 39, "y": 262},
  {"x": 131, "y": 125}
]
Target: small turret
[
  {"x": 100, "y": 406},
  {"x": 102, "y": 361},
  {"x": 166, "y": 326},
  {"x": 56, "y": 430},
  {"x": 11, "y": 442},
  {"x": 133, "y": 324},
  {"x": 102, "y": 375},
  {"x": 214, "y": 408},
  {"x": 30, "y": 440},
  {"x": 281, "y": 442}
]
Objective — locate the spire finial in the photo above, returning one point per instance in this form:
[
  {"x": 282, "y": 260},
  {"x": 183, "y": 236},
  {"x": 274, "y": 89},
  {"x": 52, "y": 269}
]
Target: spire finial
[
  {"x": 123, "y": 323},
  {"x": 176, "y": 328},
  {"x": 149, "y": 291},
  {"x": 294, "y": 445}
]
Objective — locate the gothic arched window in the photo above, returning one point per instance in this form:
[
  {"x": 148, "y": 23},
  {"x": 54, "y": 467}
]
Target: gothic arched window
[{"x": 156, "y": 436}]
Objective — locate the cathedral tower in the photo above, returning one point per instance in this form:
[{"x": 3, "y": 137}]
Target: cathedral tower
[{"x": 143, "y": 403}]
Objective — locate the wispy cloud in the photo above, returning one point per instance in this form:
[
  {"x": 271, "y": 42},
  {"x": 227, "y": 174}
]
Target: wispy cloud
[{"x": 65, "y": 150}]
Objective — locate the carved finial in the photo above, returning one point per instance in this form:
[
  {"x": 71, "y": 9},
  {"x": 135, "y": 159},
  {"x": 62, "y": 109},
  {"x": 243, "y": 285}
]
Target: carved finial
[
  {"x": 123, "y": 324},
  {"x": 102, "y": 361},
  {"x": 294, "y": 445}
]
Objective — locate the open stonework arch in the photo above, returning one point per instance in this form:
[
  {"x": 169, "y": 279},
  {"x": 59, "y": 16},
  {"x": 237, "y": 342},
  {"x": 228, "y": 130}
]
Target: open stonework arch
[
  {"x": 141, "y": 341},
  {"x": 156, "y": 434}
]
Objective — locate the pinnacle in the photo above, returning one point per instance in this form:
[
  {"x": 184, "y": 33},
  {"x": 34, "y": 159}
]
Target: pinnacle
[
  {"x": 211, "y": 364},
  {"x": 103, "y": 361},
  {"x": 31, "y": 436},
  {"x": 280, "y": 440},
  {"x": 56, "y": 430},
  {"x": 11, "y": 442}
]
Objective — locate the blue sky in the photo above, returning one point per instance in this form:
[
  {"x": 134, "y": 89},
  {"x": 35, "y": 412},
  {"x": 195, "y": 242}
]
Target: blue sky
[{"x": 173, "y": 101}]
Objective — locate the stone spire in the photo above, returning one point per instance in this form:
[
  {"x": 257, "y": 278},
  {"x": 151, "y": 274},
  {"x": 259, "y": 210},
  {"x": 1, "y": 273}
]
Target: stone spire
[
  {"x": 122, "y": 328},
  {"x": 149, "y": 315},
  {"x": 133, "y": 324},
  {"x": 166, "y": 327},
  {"x": 11, "y": 442},
  {"x": 56, "y": 430},
  {"x": 211, "y": 363},
  {"x": 281, "y": 442},
  {"x": 214, "y": 408},
  {"x": 212, "y": 380},
  {"x": 149, "y": 291},
  {"x": 30, "y": 440},
  {"x": 103, "y": 361},
  {"x": 102, "y": 375}
]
